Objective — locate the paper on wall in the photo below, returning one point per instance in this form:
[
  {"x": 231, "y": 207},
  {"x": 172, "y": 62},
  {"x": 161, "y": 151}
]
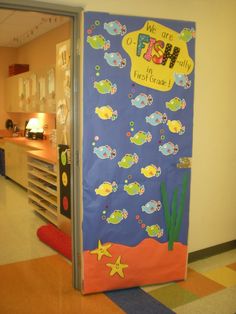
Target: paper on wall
[
  {"x": 42, "y": 88},
  {"x": 51, "y": 81}
]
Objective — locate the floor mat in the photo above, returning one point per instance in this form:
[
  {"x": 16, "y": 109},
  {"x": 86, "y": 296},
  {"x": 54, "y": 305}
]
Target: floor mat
[{"x": 137, "y": 301}]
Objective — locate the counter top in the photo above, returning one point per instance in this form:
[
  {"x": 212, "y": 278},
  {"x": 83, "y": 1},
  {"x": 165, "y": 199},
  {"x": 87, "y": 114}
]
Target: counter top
[{"x": 45, "y": 150}]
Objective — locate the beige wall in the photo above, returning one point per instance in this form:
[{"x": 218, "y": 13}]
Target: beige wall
[
  {"x": 39, "y": 54},
  {"x": 213, "y": 196},
  {"x": 7, "y": 57}
]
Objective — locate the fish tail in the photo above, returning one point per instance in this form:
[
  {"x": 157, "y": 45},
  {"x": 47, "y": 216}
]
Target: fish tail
[
  {"x": 114, "y": 186},
  {"x": 125, "y": 213},
  {"x": 142, "y": 190},
  {"x": 142, "y": 170},
  {"x": 149, "y": 136},
  {"x": 188, "y": 83},
  {"x": 123, "y": 30},
  {"x": 96, "y": 110},
  {"x": 164, "y": 118},
  {"x": 183, "y": 105},
  {"x": 182, "y": 131},
  {"x": 150, "y": 99},
  {"x": 158, "y": 172},
  {"x": 193, "y": 32},
  {"x": 136, "y": 158},
  {"x": 113, "y": 153},
  {"x": 113, "y": 89},
  {"x": 107, "y": 45},
  {"x": 123, "y": 63},
  {"x": 176, "y": 149},
  {"x": 114, "y": 115},
  {"x": 159, "y": 205}
]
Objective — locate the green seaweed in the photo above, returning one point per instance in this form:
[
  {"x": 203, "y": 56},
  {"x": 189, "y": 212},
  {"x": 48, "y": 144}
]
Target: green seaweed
[{"x": 174, "y": 215}]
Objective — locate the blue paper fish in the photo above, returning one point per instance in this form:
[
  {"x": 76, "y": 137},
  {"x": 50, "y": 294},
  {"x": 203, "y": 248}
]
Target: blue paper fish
[
  {"x": 182, "y": 80},
  {"x": 115, "y": 28},
  {"x": 156, "y": 118},
  {"x": 142, "y": 100},
  {"x": 169, "y": 149},
  {"x": 114, "y": 59},
  {"x": 105, "y": 152},
  {"x": 151, "y": 207}
]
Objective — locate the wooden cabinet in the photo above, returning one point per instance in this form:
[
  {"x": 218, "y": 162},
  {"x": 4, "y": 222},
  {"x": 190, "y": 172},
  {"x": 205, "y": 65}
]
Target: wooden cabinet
[
  {"x": 16, "y": 163},
  {"x": 42, "y": 187},
  {"x": 31, "y": 92}
]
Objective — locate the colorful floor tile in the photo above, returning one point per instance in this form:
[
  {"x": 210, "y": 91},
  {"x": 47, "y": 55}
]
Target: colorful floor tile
[
  {"x": 173, "y": 295},
  {"x": 232, "y": 266},
  {"x": 224, "y": 276},
  {"x": 199, "y": 284},
  {"x": 222, "y": 302}
]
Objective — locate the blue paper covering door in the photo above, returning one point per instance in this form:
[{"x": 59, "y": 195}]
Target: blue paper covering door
[{"x": 137, "y": 141}]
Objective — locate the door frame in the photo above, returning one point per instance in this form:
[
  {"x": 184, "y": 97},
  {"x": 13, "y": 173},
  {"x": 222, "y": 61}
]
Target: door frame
[{"x": 75, "y": 13}]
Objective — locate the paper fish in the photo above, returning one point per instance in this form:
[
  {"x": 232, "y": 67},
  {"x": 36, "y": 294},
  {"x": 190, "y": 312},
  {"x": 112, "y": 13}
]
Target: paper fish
[
  {"x": 182, "y": 80},
  {"x": 106, "y": 188},
  {"x": 141, "y": 137},
  {"x": 114, "y": 59},
  {"x": 151, "y": 207},
  {"x": 142, "y": 100},
  {"x": 117, "y": 216},
  {"x": 154, "y": 231},
  {"x": 134, "y": 188},
  {"x": 106, "y": 113},
  {"x": 187, "y": 34},
  {"x": 105, "y": 87},
  {"x": 105, "y": 152},
  {"x": 176, "y": 104},
  {"x": 169, "y": 149},
  {"x": 175, "y": 126},
  {"x": 98, "y": 42},
  {"x": 156, "y": 118},
  {"x": 151, "y": 171},
  {"x": 128, "y": 161},
  {"x": 115, "y": 28}
]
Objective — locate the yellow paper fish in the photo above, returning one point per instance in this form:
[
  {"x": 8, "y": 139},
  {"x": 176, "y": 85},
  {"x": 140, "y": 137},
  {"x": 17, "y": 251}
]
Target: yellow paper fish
[
  {"x": 175, "y": 126},
  {"x": 151, "y": 171},
  {"x": 106, "y": 113},
  {"x": 106, "y": 188}
]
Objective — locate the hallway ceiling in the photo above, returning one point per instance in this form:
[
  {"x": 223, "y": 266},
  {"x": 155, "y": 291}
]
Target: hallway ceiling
[{"x": 19, "y": 27}]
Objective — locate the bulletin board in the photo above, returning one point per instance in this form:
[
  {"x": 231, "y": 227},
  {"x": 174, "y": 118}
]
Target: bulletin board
[{"x": 137, "y": 147}]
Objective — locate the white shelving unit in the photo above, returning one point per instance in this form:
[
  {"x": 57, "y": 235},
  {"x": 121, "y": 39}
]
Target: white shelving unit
[{"x": 42, "y": 188}]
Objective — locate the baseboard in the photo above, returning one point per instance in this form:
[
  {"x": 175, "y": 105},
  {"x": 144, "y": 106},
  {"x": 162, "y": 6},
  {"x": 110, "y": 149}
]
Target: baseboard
[{"x": 210, "y": 251}]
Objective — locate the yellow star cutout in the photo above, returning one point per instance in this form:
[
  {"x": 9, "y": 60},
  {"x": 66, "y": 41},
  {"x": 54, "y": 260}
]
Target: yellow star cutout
[
  {"x": 102, "y": 250},
  {"x": 117, "y": 268}
]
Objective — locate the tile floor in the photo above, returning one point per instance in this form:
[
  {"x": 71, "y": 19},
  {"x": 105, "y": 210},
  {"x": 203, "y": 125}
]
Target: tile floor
[{"x": 34, "y": 279}]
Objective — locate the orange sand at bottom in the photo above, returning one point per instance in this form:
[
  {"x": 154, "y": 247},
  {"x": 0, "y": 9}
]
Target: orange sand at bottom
[{"x": 149, "y": 262}]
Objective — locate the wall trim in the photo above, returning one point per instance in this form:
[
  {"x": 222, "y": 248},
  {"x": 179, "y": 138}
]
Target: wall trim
[{"x": 211, "y": 251}]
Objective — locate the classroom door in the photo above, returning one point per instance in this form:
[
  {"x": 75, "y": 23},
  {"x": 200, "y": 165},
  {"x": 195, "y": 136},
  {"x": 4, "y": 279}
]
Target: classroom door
[{"x": 137, "y": 144}]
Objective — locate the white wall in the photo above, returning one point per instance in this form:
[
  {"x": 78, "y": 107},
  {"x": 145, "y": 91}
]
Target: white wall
[{"x": 213, "y": 189}]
